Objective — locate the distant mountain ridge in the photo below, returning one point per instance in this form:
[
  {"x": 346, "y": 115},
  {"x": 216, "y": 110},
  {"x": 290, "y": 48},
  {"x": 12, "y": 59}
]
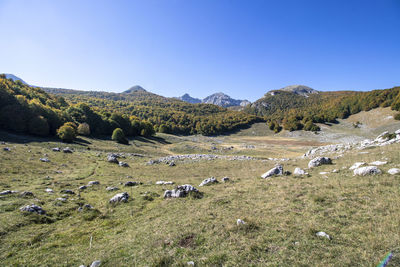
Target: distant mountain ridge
[
  {"x": 296, "y": 89},
  {"x": 14, "y": 78},
  {"x": 219, "y": 99}
]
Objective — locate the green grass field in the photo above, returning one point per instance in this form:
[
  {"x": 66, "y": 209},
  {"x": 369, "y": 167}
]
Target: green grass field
[{"x": 282, "y": 214}]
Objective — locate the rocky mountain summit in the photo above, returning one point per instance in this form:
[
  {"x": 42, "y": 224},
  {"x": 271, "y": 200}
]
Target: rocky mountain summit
[
  {"x": 296, "y": 89},
  {"x": 189, "y": 99},
  {"x": 219, "y": 99}
]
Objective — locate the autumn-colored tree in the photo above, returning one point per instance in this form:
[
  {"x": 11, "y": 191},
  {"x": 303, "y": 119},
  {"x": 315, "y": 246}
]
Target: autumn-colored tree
[
  {"x": 119, "y": 136},
  {"x": 67, "y": 133}
]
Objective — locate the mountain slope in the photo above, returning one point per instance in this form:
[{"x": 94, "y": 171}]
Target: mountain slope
[
  {"x": 223, "y": 100},
  {"x": 14, "y": 78}
]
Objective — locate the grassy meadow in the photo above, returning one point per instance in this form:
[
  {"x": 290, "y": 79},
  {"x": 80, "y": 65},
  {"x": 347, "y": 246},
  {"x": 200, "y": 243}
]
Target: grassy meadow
[{"x": 282, "y": 214}]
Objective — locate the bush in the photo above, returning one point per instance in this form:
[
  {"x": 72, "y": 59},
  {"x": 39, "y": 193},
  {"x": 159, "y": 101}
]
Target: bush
[
  {"x": 67, "y": 133},
  {"x": 38, "y": 126},
  {"x": 310, "y": 126},
  {"x": 397, "y": 116},
  {"x": 147, "y": 129},
  {"x": 119, "y": 136},
  {"x": 84, "y": 129}
]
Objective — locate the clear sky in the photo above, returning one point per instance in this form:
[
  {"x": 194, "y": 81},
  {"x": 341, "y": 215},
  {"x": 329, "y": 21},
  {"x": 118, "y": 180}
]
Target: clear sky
[{"x": 171, "y": 47}]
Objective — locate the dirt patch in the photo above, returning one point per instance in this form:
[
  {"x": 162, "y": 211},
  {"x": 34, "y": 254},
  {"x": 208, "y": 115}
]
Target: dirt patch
[{"x": 187, "y": 241}]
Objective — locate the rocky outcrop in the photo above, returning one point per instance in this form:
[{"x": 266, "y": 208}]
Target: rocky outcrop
[
  {"x": 33, "y": 208},
  {"x": 121, "y": 197},
  {"x": 208, "y": 181},
  {"x": 299, "y": 172},
  {"x": 181, "y": 191}
]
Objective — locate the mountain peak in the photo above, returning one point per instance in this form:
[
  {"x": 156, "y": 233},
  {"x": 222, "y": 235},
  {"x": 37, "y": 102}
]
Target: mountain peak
[
  {"x": 136, "y": 88},
  {"x": 296, "y": 89},
  {"x": 14, "y": 78},
  {"x": 187, "y": 98}
]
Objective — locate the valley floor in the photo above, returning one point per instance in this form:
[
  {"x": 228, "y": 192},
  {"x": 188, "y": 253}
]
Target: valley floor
[{"x": 282, "y": 214}]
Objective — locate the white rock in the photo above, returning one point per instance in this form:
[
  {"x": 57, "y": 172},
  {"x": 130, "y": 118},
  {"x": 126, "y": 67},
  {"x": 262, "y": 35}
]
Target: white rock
[
  {"x": 164, "y": 182},
  {"x": 324, "y": 173},
  {"x": 368, "y": 170},
  {"x": 323, "y": 234},
  {"x": 240, "y": 221},
  {"x": 49, "y": 190},
  {"x": 190, "y": 263},
  {"x": 318, "y": 161},
  {"x": 121, "y": 197},
  {"x": 335, "y": 171},
  {"x": 277, "y": 170},
  {"x": 95, "y": 264},
  {"x": 378, "y": 163},
  {"x": 180, "y": 191},
  {"x": 208, "y": 181},
  {"x": 299, "y": 172},
  {"x": 394, "y": 171},
  {"x": 357, "y": 165}
]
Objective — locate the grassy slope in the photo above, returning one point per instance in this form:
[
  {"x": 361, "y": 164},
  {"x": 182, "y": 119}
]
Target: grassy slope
[{"x": 362, "y": 214}]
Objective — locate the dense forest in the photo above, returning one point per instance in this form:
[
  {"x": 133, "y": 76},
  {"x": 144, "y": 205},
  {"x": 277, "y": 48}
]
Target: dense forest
[{"x": 29, "y": 109}]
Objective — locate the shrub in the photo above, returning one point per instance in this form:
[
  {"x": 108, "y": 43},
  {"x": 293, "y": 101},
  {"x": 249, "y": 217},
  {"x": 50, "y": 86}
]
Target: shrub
[
  {"x": 119, "y": 136},
  {"x": 38, "y": 126},
  {"x": 66, "y": 132},
  {"x": 84, "y": 129}
]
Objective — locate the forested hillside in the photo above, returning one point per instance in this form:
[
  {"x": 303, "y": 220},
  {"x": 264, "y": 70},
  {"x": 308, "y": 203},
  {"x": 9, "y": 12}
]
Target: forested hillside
[
  {"x": 292, "y": 111},
  {"x": 28, "y": 109}
]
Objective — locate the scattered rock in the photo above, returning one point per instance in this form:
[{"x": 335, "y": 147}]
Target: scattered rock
[
  {"x": 6, "y": 149},
  {"x": 378, "y": 163},
  {"x": 131, "y": 183},
  {"x": 318, "y": 161},
  {"x": 394, "y": 171},
  {"x": 56, "y": 149},
  {"x": 323, "y": 234},
  {"x": 6, "y": 192},
  {"x": 180, "y": 191},
  {"x": 61, "y": 199},
  {"x": 67, "y": 150},
  {"x": 335, "y": 171},
  {"x": 277, "y": 170},
  {"x": 209, "y": 181},
  {"x": 95, "y": 264},
  {"x": 83, "y": 187},
  {"x": 27, "y": 194},
  {"x": 67, "y": 191},
  {"x": 110, "y": 188},
  {"x": 190, "y": 263},
  {"x": 33, "y": 208},
  {"x": 91, "y": 183},
  {"x": 85, "y": 207},
  {"x": 357, "y": 165},
  {"x": 112, "y": 158},
  {"x": 121, "y": 197},
  {"x": 123, "y": 164},
  {"x": 164, "y": 182},
  {"x": 49, "y": 190},
  {"x": 240, "y": 222},
  {"x": 44, "y": 160},
  {"x": 171, "y": 164},
  {"x": 225, "y": 179},
  {"x": 369, "y": 170},
  {"x": 324, "y": 173},
  {"x": 299, "y": 172}
]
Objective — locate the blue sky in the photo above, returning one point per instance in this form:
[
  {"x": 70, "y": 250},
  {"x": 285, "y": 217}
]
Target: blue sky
[{"x": 170, "y": 47}]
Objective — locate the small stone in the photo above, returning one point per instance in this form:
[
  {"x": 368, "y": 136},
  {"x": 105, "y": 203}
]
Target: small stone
[
  {"x": 277, "y": 170},
  {"x": 6, "y": 192},
  {"x": 225, "y": 179},
  {"x": 240, "y": 222},
  {"x": 61, "y": 199},
  {"x": 123, "y": 164},
  {"x": 56, "y": 149},
  {"x": 357, "y": 165},
  {"x": 95, "y": 264},
  {"x": 180, "y": 191},
  {"x": 67, "y": 191},
  {"x": 83, "y": 187},
  {"x": 164, "y": 182},
  {"x": 369, "y": 170},
  {"x": 110, "y": 188},
  {"x": 394, "y": 171},
  {"x": 67, "y": 150},
  {"x": 90, "y": 183},
  {"x": 27, "y": 194},
  {"x": 171, "y": 164},
  {"x": 33, "y": 208},
  {"x": 335, "y": 171},
  {"x": 49, "y": 190},
  {"x": 85, "y": 207},
  {"x": 209, "y": 181},
  {"x": 190, "y": 263},
  {"x": 44, "y": 160},
  {"x": 112, "y": 158},
  {"x": 378, "y": 163},
  {"x": 323, "y": 234},
  {"x": 299, "y": 172},
  {"x": 121, "y": 197},
  {"x": 6, "y": 149},
  {"x": 318, "y": 161}
]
